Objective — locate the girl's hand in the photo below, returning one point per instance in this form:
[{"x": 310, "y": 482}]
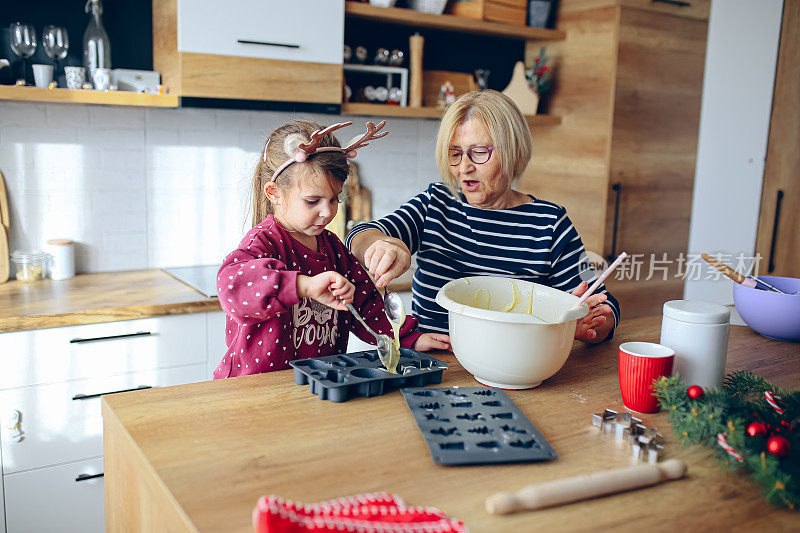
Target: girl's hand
[
  {"x": 595, "y": 326},
  {"x": 329, "y": 288},
  {"x": 385, "y": 259},
  {"x": 432, "y": 341}
]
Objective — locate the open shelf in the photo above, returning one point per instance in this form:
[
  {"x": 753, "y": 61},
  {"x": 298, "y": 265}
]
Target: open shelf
[
  {"x": 385, "y": 110},
  {"x": 66, "y": 96},
  {"x": 409, "y": 17}
]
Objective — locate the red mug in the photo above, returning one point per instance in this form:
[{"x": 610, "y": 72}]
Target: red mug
[{"x": 639, "y": 364}]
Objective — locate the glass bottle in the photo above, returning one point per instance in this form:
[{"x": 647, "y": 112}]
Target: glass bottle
[{"x": 96, "y": 46}]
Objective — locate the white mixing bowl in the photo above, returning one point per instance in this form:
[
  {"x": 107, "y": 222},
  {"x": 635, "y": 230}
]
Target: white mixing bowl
[{"x": 513, "y": 349}]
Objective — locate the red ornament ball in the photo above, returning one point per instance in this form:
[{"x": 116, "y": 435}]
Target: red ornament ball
[
  {"x": 695, "y": 392},
  {"x": 778, "y": 446},
  {"x": 757, "y": 429}
]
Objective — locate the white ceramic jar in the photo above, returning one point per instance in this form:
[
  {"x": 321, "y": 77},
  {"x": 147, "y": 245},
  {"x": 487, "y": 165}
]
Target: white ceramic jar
[
  {"x": 698, "y": 332},
  {"x": 62, "y": 258}
]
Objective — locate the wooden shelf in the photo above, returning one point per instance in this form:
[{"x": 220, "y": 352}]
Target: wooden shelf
[
  {"x": 409, "y": 17},
  {"x": 66, "y": 96},
  {"x": 385, "y": 110}
]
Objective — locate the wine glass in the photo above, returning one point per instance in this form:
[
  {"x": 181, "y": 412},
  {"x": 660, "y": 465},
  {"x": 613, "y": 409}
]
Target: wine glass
[
  {"x": 22, "y": 38},
  {"x": 56, "y": 44}
]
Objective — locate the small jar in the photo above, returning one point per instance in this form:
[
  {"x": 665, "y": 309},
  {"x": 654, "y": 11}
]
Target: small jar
[
  {"x": 698, "y": 332},
  {"x": 62, "y": 258},
  {"x": 30, "y": 264}
]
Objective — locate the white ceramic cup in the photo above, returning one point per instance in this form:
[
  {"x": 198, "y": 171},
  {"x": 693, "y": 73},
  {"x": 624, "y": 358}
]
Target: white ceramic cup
[
  {"x": 76, "y": 77},
  {"x": 101, "y": 78},
  {"x": 42, "y": 75}
]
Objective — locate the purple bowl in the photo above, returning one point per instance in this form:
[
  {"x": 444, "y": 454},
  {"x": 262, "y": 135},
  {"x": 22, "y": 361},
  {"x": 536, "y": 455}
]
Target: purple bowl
[{"x": 769, "y": 313}]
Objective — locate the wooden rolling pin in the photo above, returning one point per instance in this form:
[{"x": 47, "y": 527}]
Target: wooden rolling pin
[{"x": 579, "y": 488}]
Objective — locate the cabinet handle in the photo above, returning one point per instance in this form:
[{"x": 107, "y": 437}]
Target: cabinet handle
[
  {"x": 111, "y": 337},
  {"x": 86, "y": 477},
  {"x": 679, "y": 3},
  {"x": 778, "y": 202},
  {"x": 90, "y": 396},
  {"x": 617, "y": 188},
  {"x": 265, "y": 43}
]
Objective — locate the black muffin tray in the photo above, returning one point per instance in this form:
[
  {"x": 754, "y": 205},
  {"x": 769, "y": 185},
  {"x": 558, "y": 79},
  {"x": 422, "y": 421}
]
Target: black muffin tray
[
  {"x": 340, "y": 377},
  {"x": 475, "y": 425}
]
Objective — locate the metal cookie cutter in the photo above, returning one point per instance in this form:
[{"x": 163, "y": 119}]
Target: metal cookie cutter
[
  {"x": 627, "y": 428},
  {"x": 646, "y": 445}
]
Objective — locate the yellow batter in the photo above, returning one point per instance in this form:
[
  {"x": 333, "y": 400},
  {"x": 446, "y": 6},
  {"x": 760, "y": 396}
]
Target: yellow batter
[
  {"x": 477, "y": 296},
  {"x": 394, "y": 358},
  {"x": 510, "y": 306}
]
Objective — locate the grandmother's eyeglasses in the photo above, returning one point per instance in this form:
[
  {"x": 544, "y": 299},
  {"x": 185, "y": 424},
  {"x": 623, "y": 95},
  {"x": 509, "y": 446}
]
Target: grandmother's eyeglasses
[{"x": 477, "y": 154}]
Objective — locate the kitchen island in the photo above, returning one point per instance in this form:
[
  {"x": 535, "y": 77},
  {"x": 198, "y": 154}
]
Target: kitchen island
[{"x": 197, "y": 457}]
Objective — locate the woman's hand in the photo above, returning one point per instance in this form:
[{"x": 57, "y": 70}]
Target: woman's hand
[
  {"x": 329, "y": 288},
  {"x": 385, "y": 259},
  {"x": 595, "y": 326},
  {"x": 432, "y": 341}
]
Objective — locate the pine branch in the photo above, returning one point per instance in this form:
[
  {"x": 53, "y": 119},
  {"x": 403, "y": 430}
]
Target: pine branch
[{"x": 729, "y": 410}]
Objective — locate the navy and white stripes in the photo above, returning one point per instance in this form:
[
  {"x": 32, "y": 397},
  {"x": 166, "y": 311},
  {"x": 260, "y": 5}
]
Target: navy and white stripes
[{"x": 452, "y": 239}]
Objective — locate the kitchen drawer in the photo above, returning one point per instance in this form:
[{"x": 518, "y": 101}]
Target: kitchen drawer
[
  {"x": 302, "y": 30},
  {"x": 75, "y": 352},
  {"x": 50, "y": 499},
  {"x": 62, "y": 422},
  {"x": 696, "y": 9}
]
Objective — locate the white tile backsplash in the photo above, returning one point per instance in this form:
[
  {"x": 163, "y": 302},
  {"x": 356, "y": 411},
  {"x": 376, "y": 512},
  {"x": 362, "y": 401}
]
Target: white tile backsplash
[{"x": 150, "y": 188}]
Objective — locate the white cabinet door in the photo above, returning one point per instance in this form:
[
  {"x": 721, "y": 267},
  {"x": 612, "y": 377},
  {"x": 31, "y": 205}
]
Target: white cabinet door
[
  {"x": 215, "y": 330},
  {"x": 62, "y": 498},
  {"x": 62, "y": 422},
  {"x": 300, "y": 30},
  {"x": 75, "y": 352}
]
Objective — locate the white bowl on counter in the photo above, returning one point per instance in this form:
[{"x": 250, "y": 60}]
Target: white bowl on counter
[{"x": 500, "y": 342}]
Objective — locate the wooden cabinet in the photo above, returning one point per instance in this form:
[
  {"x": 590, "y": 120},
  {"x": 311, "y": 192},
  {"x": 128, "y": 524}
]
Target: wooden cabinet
[
  {"x": 629, "y": 81},
  {"x": 778, "y": 241},
  {"x": 268, "y": 50},
  {"x": 52, "y": 384}
]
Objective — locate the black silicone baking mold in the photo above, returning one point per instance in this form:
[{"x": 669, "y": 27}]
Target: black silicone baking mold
[
  {"x": 475, "y": 425},
  {"x": 340, "y": 377}
]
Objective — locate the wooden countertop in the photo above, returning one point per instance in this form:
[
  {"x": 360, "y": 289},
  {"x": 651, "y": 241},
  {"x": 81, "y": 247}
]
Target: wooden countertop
[
  {"x": 104, "y": 297},
  {"x": 197, "y": 457},
  {"x": 100, "y": 297}
]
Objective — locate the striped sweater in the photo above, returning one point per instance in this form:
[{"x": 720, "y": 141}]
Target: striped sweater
[{"x": 452, "y": 239}]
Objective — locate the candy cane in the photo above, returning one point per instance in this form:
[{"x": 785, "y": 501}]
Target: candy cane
[
  {"x": 727, "y": 447},
  {"x": 773, "y": 400}
]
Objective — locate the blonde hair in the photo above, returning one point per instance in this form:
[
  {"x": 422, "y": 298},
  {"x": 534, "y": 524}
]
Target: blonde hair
[
  {"x": 506, "y": 125},
  {"x": 333, "y": 165}
]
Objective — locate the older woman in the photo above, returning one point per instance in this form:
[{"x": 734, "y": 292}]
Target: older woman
[{"x": 475, "y": 223}]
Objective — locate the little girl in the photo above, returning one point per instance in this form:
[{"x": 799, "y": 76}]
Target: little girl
[{"x": 285, "y": 288}]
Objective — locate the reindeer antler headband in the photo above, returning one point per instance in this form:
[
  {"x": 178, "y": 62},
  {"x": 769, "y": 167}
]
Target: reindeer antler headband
[{"x": 304, "y": 150}]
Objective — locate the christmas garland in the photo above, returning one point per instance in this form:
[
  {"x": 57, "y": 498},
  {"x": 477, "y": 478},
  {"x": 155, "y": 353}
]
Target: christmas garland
[{"x": 749, "y": 422}]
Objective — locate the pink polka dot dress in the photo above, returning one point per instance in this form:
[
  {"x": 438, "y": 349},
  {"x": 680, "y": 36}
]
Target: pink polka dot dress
[{"x": 268, "y": 325}]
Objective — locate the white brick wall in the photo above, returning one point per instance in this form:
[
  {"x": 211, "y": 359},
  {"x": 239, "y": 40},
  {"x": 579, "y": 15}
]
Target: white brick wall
[{"x": 149, "y": 188}]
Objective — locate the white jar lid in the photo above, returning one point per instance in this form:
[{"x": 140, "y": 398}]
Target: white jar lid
[{"x": 697, "y": 312}]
